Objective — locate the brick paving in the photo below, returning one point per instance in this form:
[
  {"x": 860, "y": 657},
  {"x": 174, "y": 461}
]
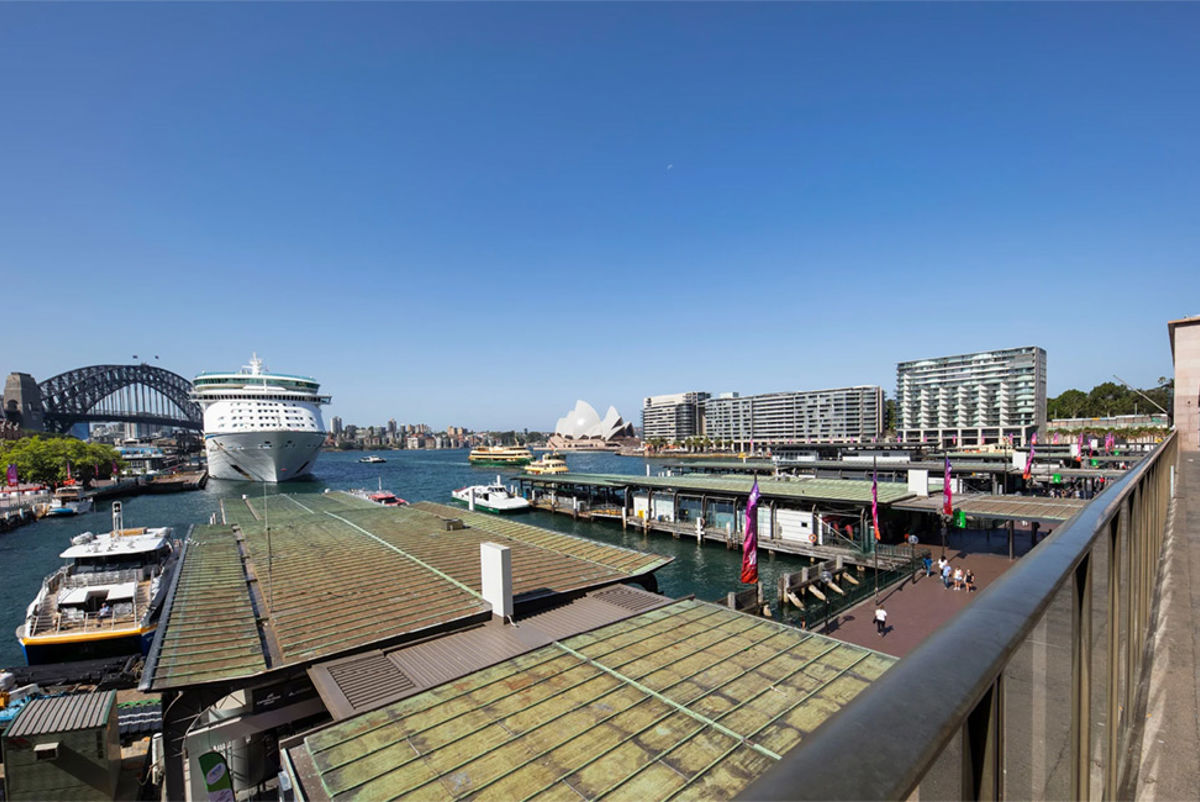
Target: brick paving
[{"x": 916, "y": 610}]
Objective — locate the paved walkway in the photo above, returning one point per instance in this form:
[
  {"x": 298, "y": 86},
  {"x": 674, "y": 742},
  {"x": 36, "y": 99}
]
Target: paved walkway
[
  {"x": 916, "y": 610},
  {"x": 1170, "y": 765}
]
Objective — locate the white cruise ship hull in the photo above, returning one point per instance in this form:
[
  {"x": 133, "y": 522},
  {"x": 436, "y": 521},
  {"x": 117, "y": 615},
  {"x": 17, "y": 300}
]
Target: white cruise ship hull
[{"x": 262, "y": 456}]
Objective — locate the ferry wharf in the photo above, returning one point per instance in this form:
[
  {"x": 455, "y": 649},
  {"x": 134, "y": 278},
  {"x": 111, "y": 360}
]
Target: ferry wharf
[
  {"x": 805, "y": 517},
  {"x": 823, "y": 519},
  {"x": 345, "y": 650}
]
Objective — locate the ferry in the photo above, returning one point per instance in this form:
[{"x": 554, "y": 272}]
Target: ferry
[
  {"x": 260, "y": 426},
  {"x": 548, "y": 464},
  {"x": 105, "y": 601},
  {"x": 500, "y": 455},
  {"x": 372, "y": 460},
  {"x": 493, "y": 498}
]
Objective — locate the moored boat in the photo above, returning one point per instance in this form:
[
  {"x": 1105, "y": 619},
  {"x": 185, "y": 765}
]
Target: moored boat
[
  {"x": 68, "y": 500},
  {"x": 260, "y": 426},
  {"x": 380, "y": 496},
  {"x": 500, "y": 455},
  {"x": 104, "y": 602},
  {"x": 493, "y": 498}
]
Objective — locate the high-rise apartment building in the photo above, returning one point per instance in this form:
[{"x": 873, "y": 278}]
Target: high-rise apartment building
[
  {"x": 842, "y": 415},
  {"x": 673, "y": 417},
  {"x": 335, "y": 426},
  {"x": 972, "y": 399}
]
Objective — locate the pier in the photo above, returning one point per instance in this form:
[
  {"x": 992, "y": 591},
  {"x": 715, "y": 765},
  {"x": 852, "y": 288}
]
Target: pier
[{"x": 796, "y": 516}]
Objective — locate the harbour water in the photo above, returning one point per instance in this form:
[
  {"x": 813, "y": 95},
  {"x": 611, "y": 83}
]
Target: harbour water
[{"x": 709, "y": 572}]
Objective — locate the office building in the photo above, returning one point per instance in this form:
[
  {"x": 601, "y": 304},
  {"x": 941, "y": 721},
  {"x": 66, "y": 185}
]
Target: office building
[
  {"x": 972, "y": 399},
  {"x": 673, "y": 417},
  {"x": 843, "y": 415}
]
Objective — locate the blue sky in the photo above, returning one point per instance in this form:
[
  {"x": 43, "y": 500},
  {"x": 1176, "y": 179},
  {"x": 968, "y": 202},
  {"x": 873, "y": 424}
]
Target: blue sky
[{"x": 472, "y": 215}]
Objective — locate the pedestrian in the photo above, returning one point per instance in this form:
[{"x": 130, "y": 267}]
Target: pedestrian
[
  {"x": 958, "y": 578},
  {"x": 969, "y": 578},
  {"x": 946, "y": 575},
  {"x": 942, "y": 563},
  {"x": 928, "y": 565},
  {"x": 880, "y": 619}
]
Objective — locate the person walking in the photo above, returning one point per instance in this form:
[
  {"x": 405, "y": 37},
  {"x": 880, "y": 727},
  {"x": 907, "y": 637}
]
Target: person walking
[
  {"x": 958, "y": 579},
  {"x": 880, "y": 619},
  {"x": 969, "y": 580},
  {"x": 928, "y": 565},
  {"x": 946, "y": 575}
]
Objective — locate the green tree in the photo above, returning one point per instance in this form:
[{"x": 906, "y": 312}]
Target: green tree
[{"x": 44, "y": 459}]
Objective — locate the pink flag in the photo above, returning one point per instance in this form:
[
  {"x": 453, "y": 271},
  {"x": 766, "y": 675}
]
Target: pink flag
[
  {"x": 11, "y": 475},
  {"x": 875, "y": 502},
  {"x": 114, "y": 469},
  {"x": 750, "y": 543},
  {"x": 1056, "y": 438},
  {"x": 69, "y": 469},
  {"x": 947, "y": 494},
  {"x": 1029, "y": 459}
]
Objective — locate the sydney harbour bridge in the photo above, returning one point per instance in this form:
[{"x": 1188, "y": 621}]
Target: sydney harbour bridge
[{"x": 138, "y": 393}]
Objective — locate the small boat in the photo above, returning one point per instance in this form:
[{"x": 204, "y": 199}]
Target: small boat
[
  {"x": 105, "y": 601},
  {"x": 548, "y": 464},
  {"x": 372, "y": 460},
  {"x": 68, "y": 500},
  {"x": 380, "y": 496},
  {"x": 500, "y": 455},
  {"x": 493, "y": 498}
]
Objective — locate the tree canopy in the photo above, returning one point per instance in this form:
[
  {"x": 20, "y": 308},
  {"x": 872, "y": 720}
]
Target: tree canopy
[
  {"x": 43, "y": 459},
  {"x": 1109, "y": 399}
]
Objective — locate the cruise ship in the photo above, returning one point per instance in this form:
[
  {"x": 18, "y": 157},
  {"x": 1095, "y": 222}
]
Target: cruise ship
[{"x": 260, "y": 426}]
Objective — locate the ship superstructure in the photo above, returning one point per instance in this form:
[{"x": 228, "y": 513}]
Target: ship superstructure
[{"x": 260, "y": 426}]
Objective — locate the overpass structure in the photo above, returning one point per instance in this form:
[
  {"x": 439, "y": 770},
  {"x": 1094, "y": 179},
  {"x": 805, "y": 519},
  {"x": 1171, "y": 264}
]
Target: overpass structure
[{"x": 138, "y": 393}]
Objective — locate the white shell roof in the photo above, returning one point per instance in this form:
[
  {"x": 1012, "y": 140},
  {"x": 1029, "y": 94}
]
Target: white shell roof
[{"x": 582, "y": 421}]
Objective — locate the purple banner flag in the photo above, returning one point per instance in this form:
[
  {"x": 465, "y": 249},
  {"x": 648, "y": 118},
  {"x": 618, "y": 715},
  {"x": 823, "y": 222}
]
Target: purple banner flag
[
  {"x": 947, "y": 494},
  {"x": 750, "y": 543},
  {"x": 875, "y": 502},
  {"x": 11, "y": 475}
]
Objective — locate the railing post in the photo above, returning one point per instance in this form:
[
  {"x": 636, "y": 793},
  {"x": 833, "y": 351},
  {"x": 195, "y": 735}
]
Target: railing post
[
  {"x": 982, "y": 746},
  {"x": 1081, "y": 680}
]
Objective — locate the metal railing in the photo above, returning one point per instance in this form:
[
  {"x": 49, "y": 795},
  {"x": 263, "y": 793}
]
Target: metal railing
[{"x": 1030, "y": 693}]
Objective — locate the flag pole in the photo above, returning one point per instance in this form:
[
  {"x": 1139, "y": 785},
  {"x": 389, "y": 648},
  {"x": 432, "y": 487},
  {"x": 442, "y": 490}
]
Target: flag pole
[{"x": 875, "y": 543}]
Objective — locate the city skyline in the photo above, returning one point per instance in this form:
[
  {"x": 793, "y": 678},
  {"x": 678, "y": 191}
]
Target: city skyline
[{"x": 761, "y": 198}]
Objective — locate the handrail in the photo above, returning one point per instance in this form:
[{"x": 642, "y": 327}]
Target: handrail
[{"x": 885, "y": 741}]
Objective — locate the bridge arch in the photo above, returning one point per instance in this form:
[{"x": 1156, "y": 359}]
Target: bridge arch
[{"x": 119, "y": 393}]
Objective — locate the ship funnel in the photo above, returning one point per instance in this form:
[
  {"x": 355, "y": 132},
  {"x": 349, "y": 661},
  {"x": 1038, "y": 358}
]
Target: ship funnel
[{"x": 118, "y": 518}]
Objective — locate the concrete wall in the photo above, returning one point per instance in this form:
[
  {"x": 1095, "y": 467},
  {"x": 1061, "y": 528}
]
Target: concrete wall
[{"x": 1187, "y": 382}]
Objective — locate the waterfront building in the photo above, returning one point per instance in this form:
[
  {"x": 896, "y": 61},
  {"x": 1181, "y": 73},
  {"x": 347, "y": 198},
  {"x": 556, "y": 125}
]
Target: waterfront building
[
  {"x": 582, "y": 429},
  {"x": 974, "y": 398},
  {"x": 336, "y": 426},
  {"x": 841, "y": 415},
  {"x": 1185, "y": 351},
  {"x": 673, "y": 417}
]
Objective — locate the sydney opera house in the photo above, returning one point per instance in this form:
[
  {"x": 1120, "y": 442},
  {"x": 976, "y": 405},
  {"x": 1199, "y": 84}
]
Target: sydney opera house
[{"x": 583, "y": 430}]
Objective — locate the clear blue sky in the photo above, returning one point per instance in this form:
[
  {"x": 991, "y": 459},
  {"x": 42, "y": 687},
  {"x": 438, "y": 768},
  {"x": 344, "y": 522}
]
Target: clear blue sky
[{"x": 475, "y": 214}]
